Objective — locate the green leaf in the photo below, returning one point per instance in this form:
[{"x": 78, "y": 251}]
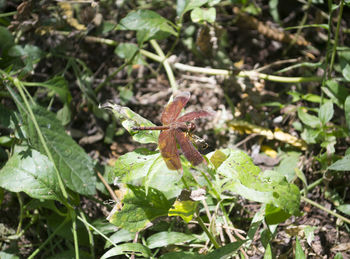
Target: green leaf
[
  {"x": 4, "y": 255},
  {"x": 218, "y": 158},
  {"x": 163, "y": 239},
  {"x": 336, "y": 92},
  {"x": 144, "y": 167},
  {"x": 182, "y": 255},
  {"x": 346, "y": 72},
  {"x": 128, "y": 248},
  {"x": 299, "y": 253},
  {"x": 122, "y": 235},
  {"x": 184, "y": 209},
  {"x": 74, "y": 165},
  {"x": 341, "y": 165},
  {"x": 183, "y": 6},
  {"x": 30, "y": 172},
  {"x": 140, "y": 208},
  {"x": 241, "y": 176},
  {"x": 6, "y": 41},
  {"x": 130, "y": 119},
  {"x": 311, "y": 135},
  {"x": 326, "y": 112},
  {"x": 157, "y": 26},
  {"x": 345, "y": 208},
  {"x": 275, "y": 215},
  {"x": 225, "y": 251},
  {"x": 59, "y": 85},
  {"x": 308, "y": 119},
  {"x": 200, "y": 15},
  {"x": 339, "y": 255},
  {"x": 289, "y": 162},
  {"x": 127, "y": 51},
  {"x": 347, "y": 111},
  {"x": 268, "y": 252}
]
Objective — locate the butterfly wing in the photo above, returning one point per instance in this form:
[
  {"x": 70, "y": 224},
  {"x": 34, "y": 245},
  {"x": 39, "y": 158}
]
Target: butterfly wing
[
  {"x": 194, "y": 115},
  {"x": 168, "y": 149},
  {"x": 173, "y": 109},
  {"x": 190, "y": 152}
]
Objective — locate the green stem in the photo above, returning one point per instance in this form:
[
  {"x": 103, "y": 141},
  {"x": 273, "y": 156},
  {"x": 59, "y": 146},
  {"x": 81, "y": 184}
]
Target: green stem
[
  {"x": 312, "y": 185},
  {"x": 75, "y": 234},
  {"x": 209, "y": 234},
  {"x": 49, "y": 238},
  {"x": 334, "y": 51},
  {"x": 91, "y": 238},
  {"x": 250, "y": 74},
  {"x": 326, "y": 210},
  {"x": 166, "y": 65},
  {"x": 21, "y": 209},
  {"x": 19, "y": 86},
  {"x": 98, "y": 231}
]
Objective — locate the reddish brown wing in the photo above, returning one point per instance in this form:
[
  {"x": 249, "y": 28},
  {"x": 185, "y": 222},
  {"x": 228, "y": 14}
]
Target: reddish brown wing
[
  {"x": 173, "y": 109},
  {"x": 168, "y": 149},
  {"x": 188, "y": 149},
  {"x": 194, "y": 115}
]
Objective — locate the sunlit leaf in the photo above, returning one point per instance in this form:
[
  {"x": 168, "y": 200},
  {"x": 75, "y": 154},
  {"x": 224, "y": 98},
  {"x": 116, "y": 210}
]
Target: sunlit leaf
[
  {"x": 128, "y": 248},
  {"x": 162, "y": 239},
  {"x": 74, "y": 165},
  {"x": 308, "y": 119},
  {"x": 30, "y": 172},
  {"x": 184, "y": 209},
  {"x": 144, "y": 167},
  {"x": 199, "y": 15},
  {"x": 184, "y": 6},
  {"x": 347, "y": 111},
  {"x": 326, "y": 112},
  {"x": 130, "y": 119},
  {"x": 299, "y": 253},
  {"x": 157, "y": 26},
  {"x": 244, "y": 178},
  {"x": 341, "y": 165},
  {"x": 139, "y": 208}
]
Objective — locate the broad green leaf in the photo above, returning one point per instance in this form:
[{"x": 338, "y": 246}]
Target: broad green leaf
[
  {"x": 163, "y": 239},
  {"x": 346, "y": 72},
  {"x": 310, "y": 135},
  {"x": 273, "y": 5},
  {"x": 74, "y": 165},
  {"x": 184, "y": 209},
  {"x": 130, "y": 119},
  {"x": 289, "y": 162},
  {"x": 308, "y": 119},
  {"x": 326, "y": 111},
  {"x": 128, "y": 248},
  {"x": 268, "y": 252},
  {"x": 341, "y": 165},
  {"x": 339, "y": 255},
  {"x": 299, "y": 253},
  {"x": 144, "y": 167},
  {"x": 30, "y": 172},
  {"x": 345, "y": 208},
  {"x": 275, "y": 215},
  {"x": 225, "y": 251},
  {"x": 157, "y": 26},
  {"x": 140, "y": 208},
  {"x": 127, "y": 51},
  {"x": 200, "y": 15},
  {"x": 217, "y": 158},
  {"x": 244, "y": 178},
  {"x": 6, "y": 41},
  {"x": 347, "y": 111},
  {"x": 122, "y": 235},
  {"x": 183, "y": 6},
  {"x": 336, "y": 92},
  {"x": 4, "y": 255}
]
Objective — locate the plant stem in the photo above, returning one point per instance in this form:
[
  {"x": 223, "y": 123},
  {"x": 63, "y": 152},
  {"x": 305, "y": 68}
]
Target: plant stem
[
  {"x": 209, "y": 234},
  {"x": 19, "y": 86},
  {"x": 334, "y": 51},
  {"x": 91, "y": 238},
  {"x": 326, "y": 210},
  {"x": 250, "y": 74},
  {"x": 49, "y": 238},
  {"x": 166, "y": 65},
  {"x": 75, "y": 234}
]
